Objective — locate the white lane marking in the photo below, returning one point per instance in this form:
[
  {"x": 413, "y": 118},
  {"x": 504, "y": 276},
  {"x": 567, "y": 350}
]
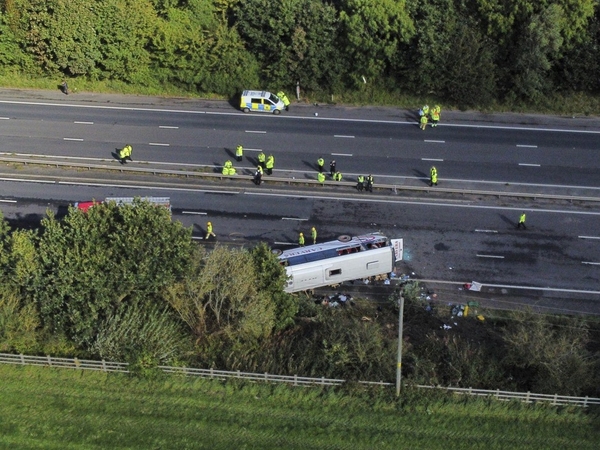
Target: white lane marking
[
  {"x": 530, "y": 165},
  {"x": 198, "y": 238},
  {"x": 591, "y": 263},
  {"x": 25, "y": 180},
  {"x": 513, "y": 286},
  {"x": 158, "y": 144},
  {"x": 72, "y": 139},
  {"x": 255, "y": 131},
  {"x": 588, "y": 237},
  {"x": 294, "y": 218},
  {"x": 343, "y": 136},
  {"x": 281, "y": 117},
  {"x": 167, "y": 127},
  {"x": 435, "y": 142},
  {"x": 405, "y": 202},
  {"x": 526, "y": 146},
  {"x": 284, "y": 243},
  {"x": 253, "y": 149},
  {"x": 432, "y": 159},
  {"x": 194, "y": 213},
  {"x": 7, "y": 201},
  {"x": 4, "y": 118},
  {"x": 83, "y": 123},
  {"x": 490, "y": 256},
  {"x": 341, "y": 154},
  {"x": 486, "y": 231},
  {"x": 136, "y": 186}
]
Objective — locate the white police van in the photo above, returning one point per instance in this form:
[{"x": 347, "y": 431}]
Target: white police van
[{"x": 263, "y": 101}]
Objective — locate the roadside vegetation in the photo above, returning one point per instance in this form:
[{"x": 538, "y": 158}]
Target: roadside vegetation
[
  {"x": 49, "y": 408},
  {"x": 125, "y": 283},
  {"x": 522, "y": 55}
]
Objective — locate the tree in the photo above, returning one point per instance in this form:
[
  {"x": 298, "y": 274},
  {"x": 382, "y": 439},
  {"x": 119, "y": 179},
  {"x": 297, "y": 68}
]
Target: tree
[
  {"x": 219, "y": 298},
  {"x": 371, "y": 33},
  {"x": 293, "y": 40},
  {"x": 550, "y": 358},
  {"x": 92, "y": 264},
  {"x": 539, "y": 46}
]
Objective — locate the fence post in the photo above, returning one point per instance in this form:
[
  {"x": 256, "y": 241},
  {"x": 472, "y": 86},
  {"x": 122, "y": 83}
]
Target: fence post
[
  {"x": 49, "y": 360},
  {"x": 211, "y": 372},
  {"x": 585, "y": 401},
  {"x": 76, "y": 363},
  {"x": 527, "y": 397},
  {"x": 323, "y": 381},
  {"x": 239, "y": 374},
  {"x": 295, "y": 380},
  {"x": 22, "y": 359},
  {"x": 555, "y": 399},
  {"x": 103, "y": 365},
  {"x": 498, "y": 394},
  {"x": 266, "y": 376},
  {"x": 470, "y": 391}
]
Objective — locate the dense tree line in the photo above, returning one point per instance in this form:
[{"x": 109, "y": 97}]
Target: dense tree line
[
  {"x": 126, "y": 283},
  {"x": 472, "y": 52}
]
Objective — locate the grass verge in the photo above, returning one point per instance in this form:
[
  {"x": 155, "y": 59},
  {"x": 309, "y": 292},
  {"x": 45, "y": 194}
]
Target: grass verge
[{"x": 63, "y": 409}]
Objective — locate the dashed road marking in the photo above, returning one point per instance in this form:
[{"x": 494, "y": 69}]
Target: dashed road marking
[
  {"x": 72, "y": 139},
  {"x": 432, "y": 159},
  {"x": 486, "y": 231},
  {"x": 490, "y": 256},
  {"x": 168, "y": 127},
  {"x": 530, "y": 165},
  {"x": 159, "y": 144},
  {"x": 294, "y": 218},
  {"x": 83, "y": 123},
  {"x": 434, "y": 141},
  {"x": 194, "y": 213},
  {"x": 255, "y": 131},
  {"x": 343, "y": 136},
  {"x": 526, "y": 146},
  {"x": 341, "y": 154}
]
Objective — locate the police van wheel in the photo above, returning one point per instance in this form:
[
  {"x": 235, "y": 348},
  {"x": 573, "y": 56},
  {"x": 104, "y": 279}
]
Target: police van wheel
[
  {"x": 344, "y": 238},
  {"x": 276, "y": 252},
  {"x": 246, "y": 110},
  {"x": 276, "y": 111}
]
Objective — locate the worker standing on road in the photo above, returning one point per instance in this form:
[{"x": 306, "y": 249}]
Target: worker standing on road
[
  {"x": 313, "y": 234},
  {"x": 284, "y": 99},
  {"x": 258, "y": 176},
  {"x": 227, "y": 168},
  {"x": 332, "y": 168},
  {"x": 423, "y": 122},
  {"x": 337, "y": 176},
  {"x": 433, "y": 176},
  {"x": 261, "y": 159},
  {"x": 370, "y": 183},
  {"x": 521, "y": 221},
  {"x": 239, "y": 153},
  {"x": 360, "y": 185},
  {"x": 435, "y": 116},
  {"x": 320, "y": 164},
  {"x": 321, "y": 177},
  {"x": 125, "y": 153},
  {"x": 301, "y": 240},
  {"x": 209, "y": 231},
  {"x": 270, "y": 164}
]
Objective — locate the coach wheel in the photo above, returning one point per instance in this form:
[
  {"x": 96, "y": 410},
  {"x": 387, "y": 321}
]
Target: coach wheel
[{"x": 344, "y": 238}]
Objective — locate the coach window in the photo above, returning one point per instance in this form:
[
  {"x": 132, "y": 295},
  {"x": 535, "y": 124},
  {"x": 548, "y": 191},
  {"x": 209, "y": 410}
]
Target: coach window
[{"x": 335, "y": 272}]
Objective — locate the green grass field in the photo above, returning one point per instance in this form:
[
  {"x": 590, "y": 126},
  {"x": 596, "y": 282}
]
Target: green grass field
[{"x": 65, "y": 409}]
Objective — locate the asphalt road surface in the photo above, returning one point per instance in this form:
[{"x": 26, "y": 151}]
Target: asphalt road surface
[{"x": 448, "y": 239}]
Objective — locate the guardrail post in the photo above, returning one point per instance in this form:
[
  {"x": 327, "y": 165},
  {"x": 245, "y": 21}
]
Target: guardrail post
[
  {"x": 239, "y": 374},
  {"x": 103, "y": 365},
  {"x": 76, "y": 361},
  {"x": 266, "y": 376},
  {"x": 323, "y": 381},
  {"x": 498, "y": 394},
  {"x": 49, "y": 360},
  {"x": 555, "y": 399},
  {"x": 527, "y": 397},
  {"x": 470, "y": 390},
  {"x": 22, "y": 359},
  {"x": 295, "y": 380}
]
